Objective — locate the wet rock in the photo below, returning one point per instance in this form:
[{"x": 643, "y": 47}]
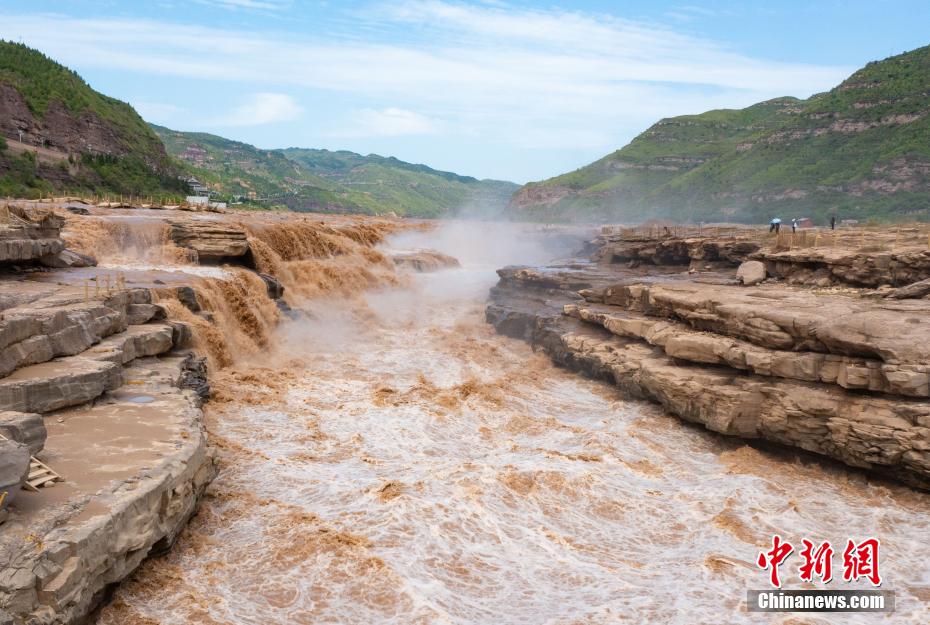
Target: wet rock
[
  {"x": 767, "y": 362},
  {"x": 66, "y": 259},
  {"x": 825, "y": 266},
  {"x": 136, "y": 341},
  {"x": 681, "y": 342},
  {"x": 194, "y": 376},
  {"x": 916, "y": 290},
  {"x": 137, "y": 314},
  {"x": 14, "y": 467},
  {"x": 751, "y": 272},
  {"x": 188, "y": 296},
  {"x": 77, "y": 210},
  {"x": 26, "y": 240},
  {"x": 291, "y": 313},
  {"x": 672, "y": 251},
  {"x": 103, "y": 534},
  {"x": 212, "y": 240},
  {"x": 275, "y": 288},
  {"x": 25, "y": 428},
  {"x": 64, "y": 382},
  {"x": 425, "y": 260},
  {"x": 797, "y": 320},
  {"x": 37, "y": 330},
  {"x": 182, "y": 335}
]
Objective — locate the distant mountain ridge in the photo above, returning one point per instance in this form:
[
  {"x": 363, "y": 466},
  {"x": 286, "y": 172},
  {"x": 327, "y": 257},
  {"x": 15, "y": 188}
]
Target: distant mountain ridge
[
  {"x": 859, "y": 150},
  {"x": 58, "y": 135},
  {"x": 323, "y": 180}
]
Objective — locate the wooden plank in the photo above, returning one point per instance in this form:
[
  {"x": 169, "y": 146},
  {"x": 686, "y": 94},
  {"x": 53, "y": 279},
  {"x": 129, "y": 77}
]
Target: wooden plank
[{"x": 40, "y": 474}]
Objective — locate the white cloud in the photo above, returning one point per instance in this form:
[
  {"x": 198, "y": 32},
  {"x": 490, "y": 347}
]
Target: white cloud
[
  {"x": 389, "y": 122},
  {"x": 157, "y": 112},
  {"x": 518, "y": 76},
  {"x": 268, "y": 5},
  {"x": 261, "y": 109}
]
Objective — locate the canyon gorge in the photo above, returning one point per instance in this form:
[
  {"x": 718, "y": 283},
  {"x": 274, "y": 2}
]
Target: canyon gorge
[{"x": 280, "y": 418}]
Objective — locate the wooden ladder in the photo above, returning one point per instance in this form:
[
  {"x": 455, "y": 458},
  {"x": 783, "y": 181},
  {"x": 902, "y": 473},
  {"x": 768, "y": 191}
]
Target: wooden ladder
[{"x": 40, "y": 474}]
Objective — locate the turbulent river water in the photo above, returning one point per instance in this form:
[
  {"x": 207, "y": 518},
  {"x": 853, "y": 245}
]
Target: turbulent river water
[{"x": 392, "y": 460}]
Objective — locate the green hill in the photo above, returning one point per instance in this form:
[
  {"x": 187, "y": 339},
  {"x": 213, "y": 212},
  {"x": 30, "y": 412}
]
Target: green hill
[
  {"x": 859, "y": 150},
  {"x": 238, "y": 171},
  {"x": 305, "y": 179},
  {"x": 58, "y": 135},
  {"x": 61, "y": 135},
  {"x": 383, "y": 184}
]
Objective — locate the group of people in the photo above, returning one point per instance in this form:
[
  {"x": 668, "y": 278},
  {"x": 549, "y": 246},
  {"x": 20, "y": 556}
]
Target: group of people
[{"x": 775, "y": 224}]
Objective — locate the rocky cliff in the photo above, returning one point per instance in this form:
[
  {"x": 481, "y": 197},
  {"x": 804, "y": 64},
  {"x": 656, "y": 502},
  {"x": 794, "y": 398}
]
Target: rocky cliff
[
  {"x": 842, "y": 372},
  {"x": 60, "y": 134}
]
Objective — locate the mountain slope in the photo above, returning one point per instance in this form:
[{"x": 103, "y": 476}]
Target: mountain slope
[
  {"x": 385, "y": 183},
  {"x": 232, "y": 169},
  {"x": 859, "y": 150},
  {"x": 60, "y": 134},
  {"x": 305, "y": 179}
]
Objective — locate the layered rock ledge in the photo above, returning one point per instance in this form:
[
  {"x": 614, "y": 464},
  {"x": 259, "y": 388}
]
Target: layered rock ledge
[
  {"x": 842, "y": 372},
  {"x": 861, "y": 259},
  {"x": 23, "y": 238},
  {"x": 97, "y": 381},
  {"x": 102, "y": 389}
]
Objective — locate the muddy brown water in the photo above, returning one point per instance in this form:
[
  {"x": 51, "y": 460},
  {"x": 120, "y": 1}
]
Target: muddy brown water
[{"x": 392, "y": 460}]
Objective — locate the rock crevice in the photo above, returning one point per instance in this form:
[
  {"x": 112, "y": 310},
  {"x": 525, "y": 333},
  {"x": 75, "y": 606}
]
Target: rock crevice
[{"x": 843, "y": 374}]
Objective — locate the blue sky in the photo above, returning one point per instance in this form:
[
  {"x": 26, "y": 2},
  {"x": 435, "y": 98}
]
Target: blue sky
[{"x": 513, "y": 90}]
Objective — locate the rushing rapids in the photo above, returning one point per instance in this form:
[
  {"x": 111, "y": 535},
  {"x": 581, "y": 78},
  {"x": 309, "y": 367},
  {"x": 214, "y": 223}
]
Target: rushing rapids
[{"x": 388, "y": 458}]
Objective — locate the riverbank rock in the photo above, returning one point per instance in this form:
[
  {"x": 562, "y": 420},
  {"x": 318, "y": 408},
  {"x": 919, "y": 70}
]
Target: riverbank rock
[
  {"x": 120, "y": 506},
  {"x": 27, "y": 237},
  {"x": 14, "y": 467},
  {"x": 213, "y": 240},
  {"x": 841, "y": 373},
  {"x": 751, "y": 272},
  {"x": 66, "y": 259},
  {"x": 424, "y": 260},
  {"x": 25, "y": 428}
]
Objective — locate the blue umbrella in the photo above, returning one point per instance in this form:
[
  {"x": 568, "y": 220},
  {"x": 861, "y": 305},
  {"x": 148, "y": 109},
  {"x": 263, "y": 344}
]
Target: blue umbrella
[{"x": 775, "y": 221}]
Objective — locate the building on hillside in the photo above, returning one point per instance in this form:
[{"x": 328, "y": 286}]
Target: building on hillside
[
  {"x": 197, "y": 187},
  {"x": 198, "y": 200}
]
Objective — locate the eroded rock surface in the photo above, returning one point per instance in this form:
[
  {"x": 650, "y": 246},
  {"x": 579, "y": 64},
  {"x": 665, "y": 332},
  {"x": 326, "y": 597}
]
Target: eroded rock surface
[
  {"x": 14, "y": 467},
  {"x": 843, "y": 374},
  {"x": 135, "y": 466},
  {"x": 751, "y": 272},
  {"x": 26, "y": 428},
  {"x": 24, "y": 237},
  {"x": 424, "y": 260},
  {"x": 121, "y": 426},
  {"x": 67, "y": 258},
  {"x": 813, "y": 258},
  {"x": 212, "y": 240}
]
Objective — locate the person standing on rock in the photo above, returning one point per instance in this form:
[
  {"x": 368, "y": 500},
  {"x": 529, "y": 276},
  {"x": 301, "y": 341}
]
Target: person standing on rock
[
  {"x": 774, "y": 225},
  {"x": 832, "y": 222},
  {"x": 794, "y": 225}
]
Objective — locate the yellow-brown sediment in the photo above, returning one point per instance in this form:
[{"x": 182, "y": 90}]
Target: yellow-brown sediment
[
  {"x": 310, "y": 258},
  {"x": 110, "y": 240},
  {"x": 313, "y": 259}
]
